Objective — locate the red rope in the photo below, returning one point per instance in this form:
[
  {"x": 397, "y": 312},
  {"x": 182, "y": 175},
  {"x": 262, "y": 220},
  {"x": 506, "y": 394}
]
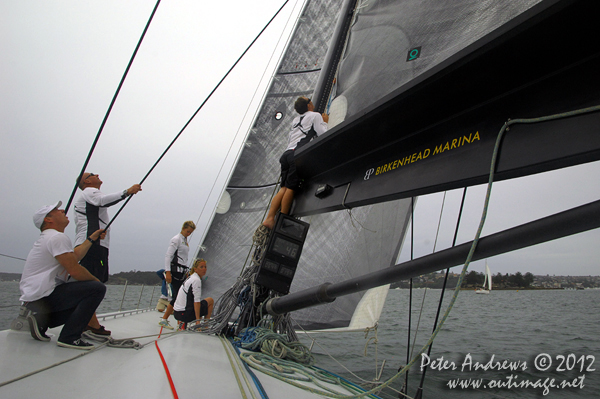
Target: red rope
[{"x": 166, "y": 369}]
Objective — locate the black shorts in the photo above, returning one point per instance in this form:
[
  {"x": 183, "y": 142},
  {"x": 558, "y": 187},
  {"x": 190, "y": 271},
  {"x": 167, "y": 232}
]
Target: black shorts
[
  {"x": 96, "y": 261},
  {"x": 289, "y": 176},
  {"x": 188, "y": 315},
  {"x": 175, "y": 285}
]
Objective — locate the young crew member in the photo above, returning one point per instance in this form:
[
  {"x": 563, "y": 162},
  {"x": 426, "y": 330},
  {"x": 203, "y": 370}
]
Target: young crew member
[
  {"x": 176, "y": 266},
  {"x": 189, "y": 305},
  {"x": 306, "y": 126}
]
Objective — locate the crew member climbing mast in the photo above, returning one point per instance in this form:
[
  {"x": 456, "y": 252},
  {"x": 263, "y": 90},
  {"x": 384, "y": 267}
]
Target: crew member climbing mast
[{"x": 306, "y": 126}]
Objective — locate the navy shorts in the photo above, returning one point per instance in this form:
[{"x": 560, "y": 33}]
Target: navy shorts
[
  {"x": 188, "y": 315},
  {"x": 289, "y": 177}
]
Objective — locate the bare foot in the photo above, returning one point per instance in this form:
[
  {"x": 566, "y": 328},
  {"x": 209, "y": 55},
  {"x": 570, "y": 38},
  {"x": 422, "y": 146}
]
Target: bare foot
[{"x": 269, "y": 222}]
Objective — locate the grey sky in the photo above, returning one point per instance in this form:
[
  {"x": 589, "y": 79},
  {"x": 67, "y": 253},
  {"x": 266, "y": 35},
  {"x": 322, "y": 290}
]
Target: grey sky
[{"x": 61, "y": 63}]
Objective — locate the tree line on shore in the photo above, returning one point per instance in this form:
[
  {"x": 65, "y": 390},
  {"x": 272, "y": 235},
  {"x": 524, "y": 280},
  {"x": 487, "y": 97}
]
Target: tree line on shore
[
  {"x": 473, "y": 280},
  {"x": 432, "y": 280}
]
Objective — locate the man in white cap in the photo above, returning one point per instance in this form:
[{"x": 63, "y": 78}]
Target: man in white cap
[
  {"x": 91, "y": 214},
  {"x": 49, "y": 300}
]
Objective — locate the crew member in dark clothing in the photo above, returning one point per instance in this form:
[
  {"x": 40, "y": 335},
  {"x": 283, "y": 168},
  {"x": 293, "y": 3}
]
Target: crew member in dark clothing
[
  {"x": 306, "y": 126},
  {"x": 90, "y": 215}
]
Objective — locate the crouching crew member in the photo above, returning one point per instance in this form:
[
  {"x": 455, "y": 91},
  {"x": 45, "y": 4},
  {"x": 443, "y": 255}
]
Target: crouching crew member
[
  {"x": 50, "y": 297},
  {"x": 189, "y": 305}
]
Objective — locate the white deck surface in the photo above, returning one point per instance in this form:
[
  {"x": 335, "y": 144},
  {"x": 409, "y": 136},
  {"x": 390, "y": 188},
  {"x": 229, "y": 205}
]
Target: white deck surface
[{"x": 198, "y": 365}]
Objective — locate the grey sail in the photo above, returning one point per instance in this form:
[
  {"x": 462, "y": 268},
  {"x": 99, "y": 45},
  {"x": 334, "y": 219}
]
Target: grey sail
[
  {"x": 378, "y": 57},
  {"x": 375, "y": 61}
]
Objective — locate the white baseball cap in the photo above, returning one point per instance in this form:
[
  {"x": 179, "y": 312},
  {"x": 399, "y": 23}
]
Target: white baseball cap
[{"x": 38, "y": 217}]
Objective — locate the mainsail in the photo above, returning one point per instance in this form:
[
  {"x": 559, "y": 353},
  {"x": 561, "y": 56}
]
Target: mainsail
[
  {"x": 339, "y": 245},
  {"x": 392, "y": 42},
  {"x": 383, "y": 37}
]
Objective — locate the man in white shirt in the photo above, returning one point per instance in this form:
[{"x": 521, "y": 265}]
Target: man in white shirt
[
  {"x": 91, "y": 214},
  {"x": 50, "y": 300}
]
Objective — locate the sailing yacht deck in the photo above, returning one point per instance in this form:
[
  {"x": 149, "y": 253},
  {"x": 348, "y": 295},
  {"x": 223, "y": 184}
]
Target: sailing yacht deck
[{"x": 198, "y": 365}]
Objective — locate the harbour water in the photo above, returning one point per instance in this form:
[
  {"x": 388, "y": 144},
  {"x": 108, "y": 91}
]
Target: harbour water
[{"x": 508, "y": 344}]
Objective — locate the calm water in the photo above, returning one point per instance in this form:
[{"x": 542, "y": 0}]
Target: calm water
[
  {"x": 512, "y": 326},
  {"x": 9, "y": 300}
]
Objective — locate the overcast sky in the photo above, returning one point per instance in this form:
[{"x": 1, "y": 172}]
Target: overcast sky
[{"x": 61, "y": 64}]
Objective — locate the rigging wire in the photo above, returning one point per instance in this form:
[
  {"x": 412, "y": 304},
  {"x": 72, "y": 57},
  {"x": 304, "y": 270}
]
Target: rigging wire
[
  {"x": 198, "y": 110},
  {"x": 419, "y": 393},
  {"x": 412, "y": 241},
  {"x": 425, "y": 292},
  {"x": 12, "y": 257},
  {"x": 238, "y": 130},
  {"x": 112, "y": 103},
  {"x": 439, "y": 222}
]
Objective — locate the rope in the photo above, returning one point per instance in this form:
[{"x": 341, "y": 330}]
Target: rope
[
  {"x": 80, "y": 355},
  {"x": 276, "y": 345},
  {"x": 419, "y": 393},
  {"x": 294, "y": 373},
  {"x": 237, "y": 132},
  {"x": 257, "y": 382},
  {"x": 235, "y": 371},
  {"x": 125, "y": 343},
  {"x": 418, "y": 322},
  {"x": 236, "y": 296},
  {"x": 87, "y": 160},
  {"x": 198, "y": 110},
  {"x": 12, "y": 257}
]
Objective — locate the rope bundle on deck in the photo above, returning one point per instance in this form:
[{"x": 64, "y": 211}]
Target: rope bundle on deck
[
  {"x": 276, "y": 345},
  {"x": 113, "y": 343}
]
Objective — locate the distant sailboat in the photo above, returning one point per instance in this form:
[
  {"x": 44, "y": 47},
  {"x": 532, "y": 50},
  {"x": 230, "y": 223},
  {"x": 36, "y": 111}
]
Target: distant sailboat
[{"x": 487, "y": 280}]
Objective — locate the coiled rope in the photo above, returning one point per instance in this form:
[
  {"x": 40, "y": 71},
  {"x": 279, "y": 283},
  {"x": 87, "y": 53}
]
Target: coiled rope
[
  {"x": 276, "y": 345},
  {"x": 126, "y": 343}
]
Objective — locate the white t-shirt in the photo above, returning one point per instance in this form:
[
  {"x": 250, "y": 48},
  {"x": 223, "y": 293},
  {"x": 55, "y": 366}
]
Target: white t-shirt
[
  {"x": 302, "y": 125},
  {"x": 42, "y": 272},
  {"x": 94, "y": 213},
  {"x": 196, "y": 285}
]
